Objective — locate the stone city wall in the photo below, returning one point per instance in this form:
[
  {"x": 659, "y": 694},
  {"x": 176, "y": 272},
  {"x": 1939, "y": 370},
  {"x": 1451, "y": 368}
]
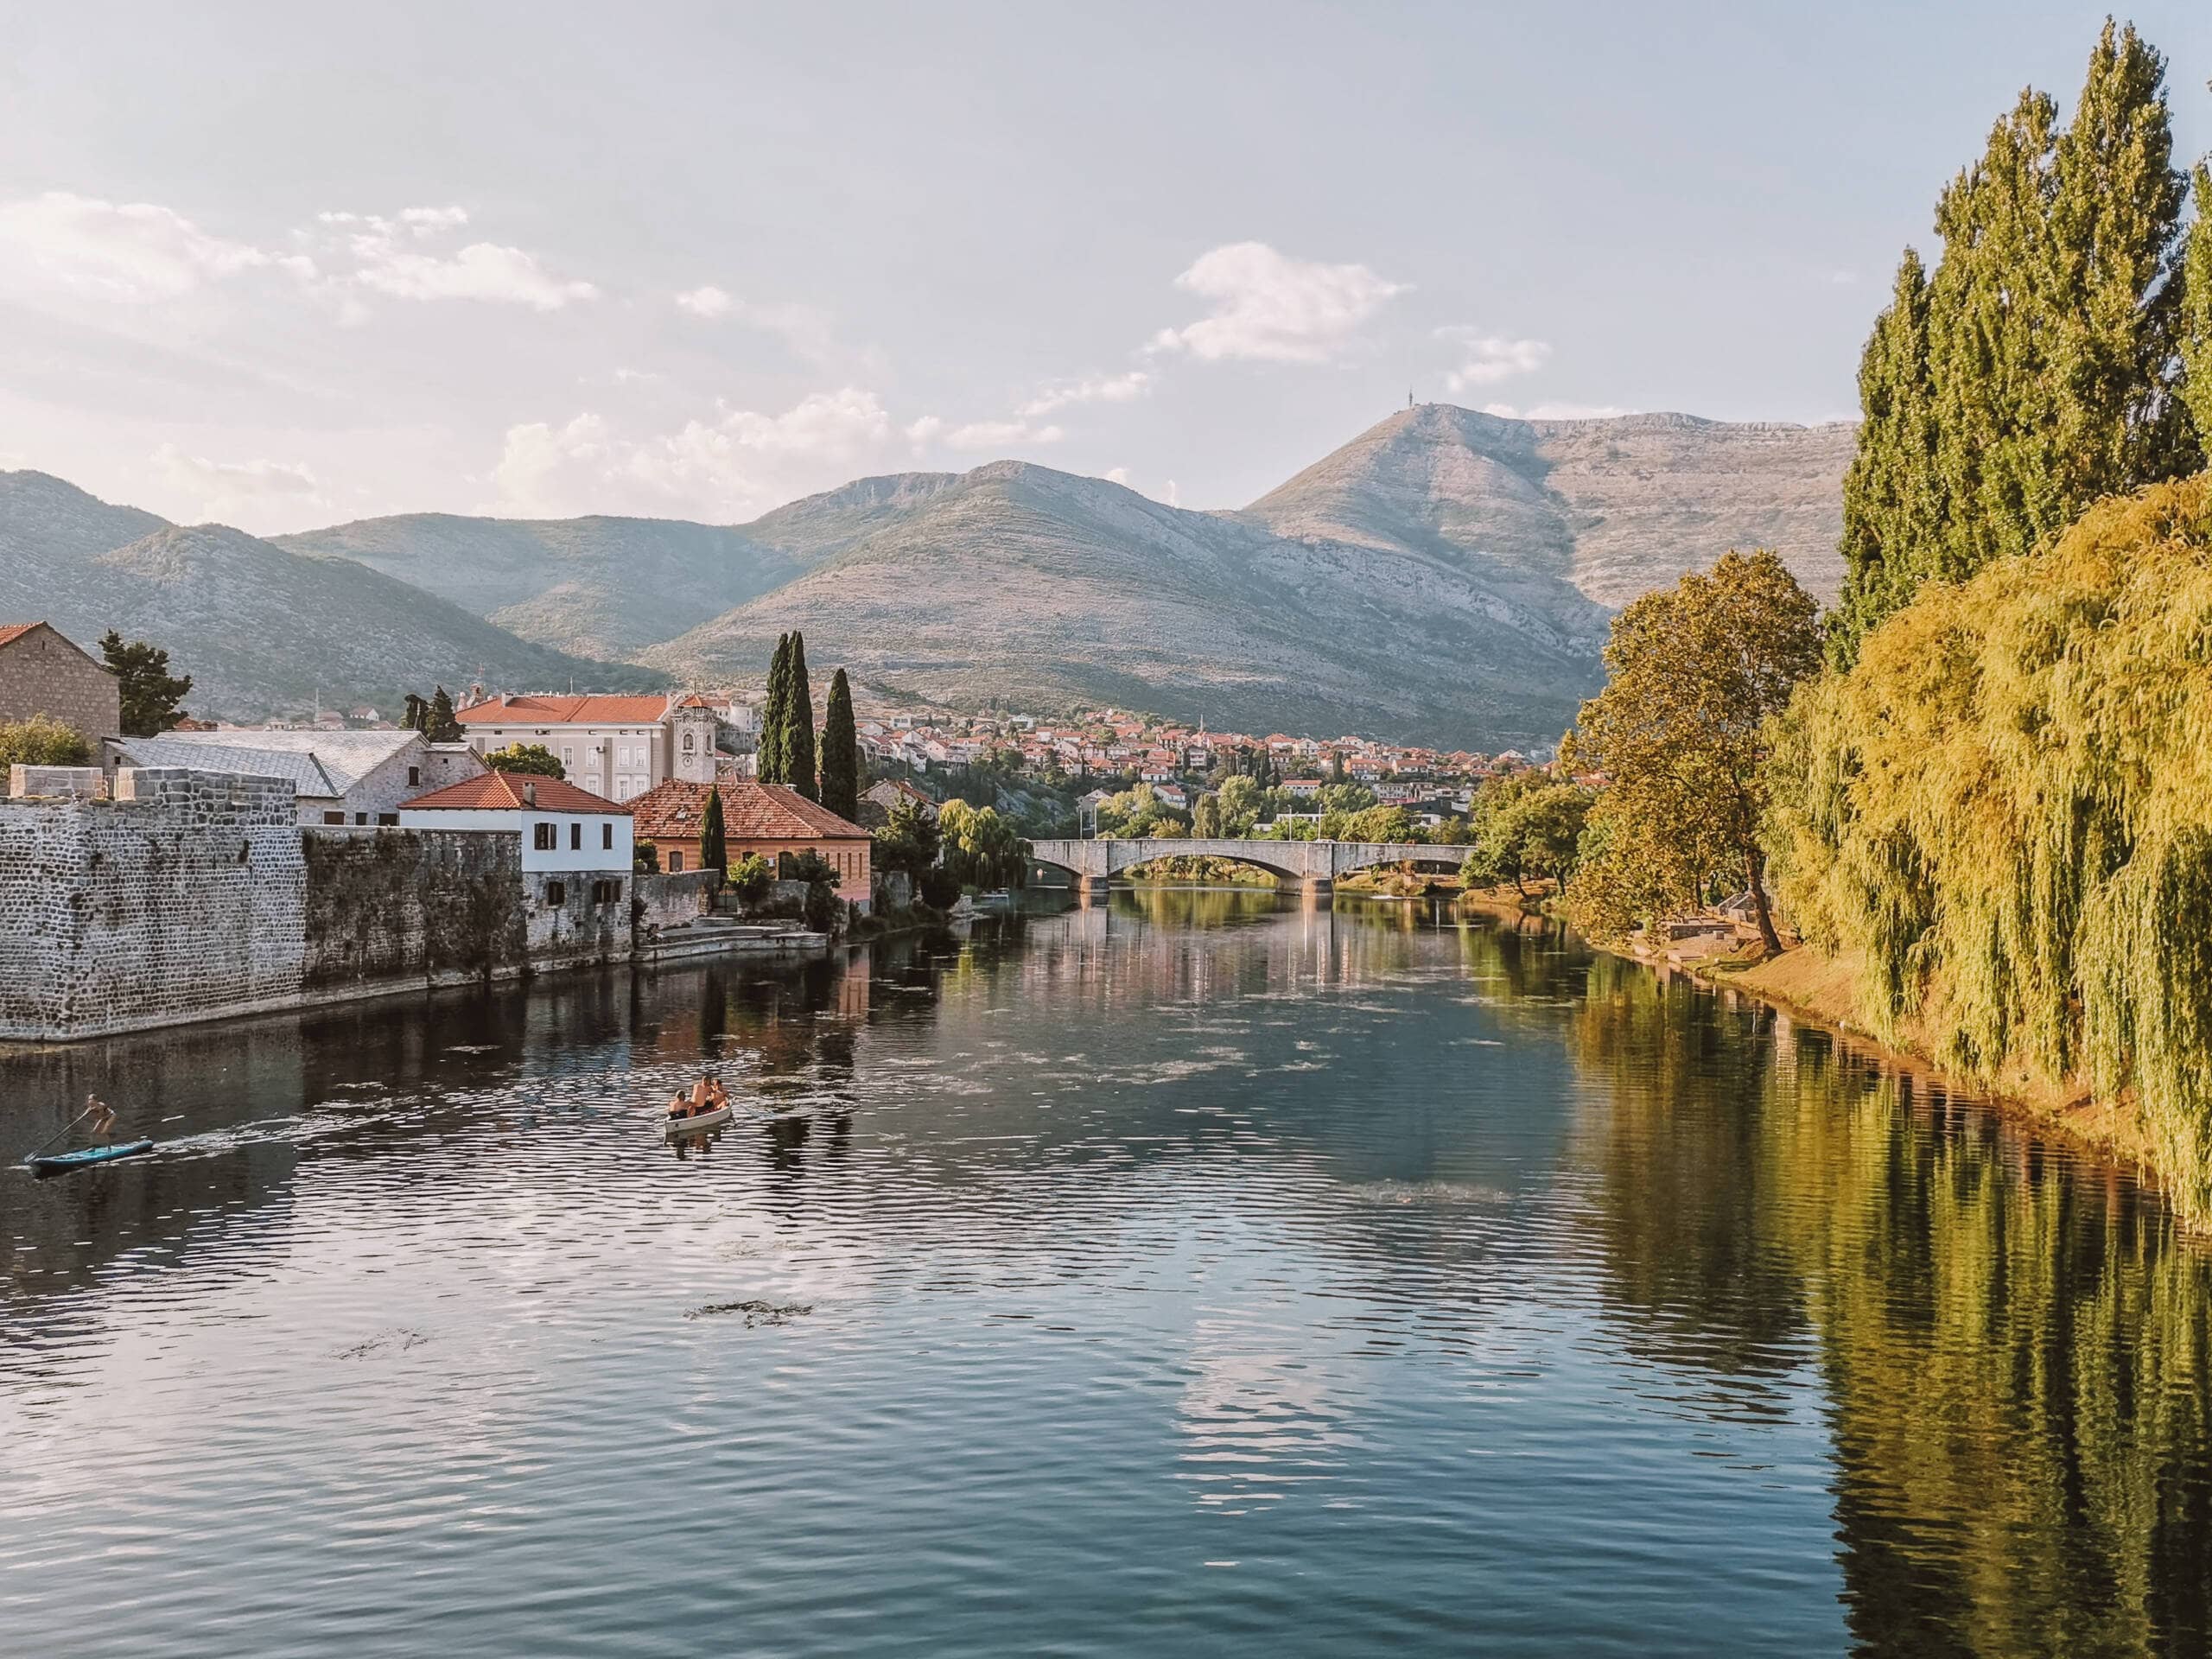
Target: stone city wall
[
  {"x": 390, "y": 908},
  {"x": 195, "y": 895},
  {"x": 666, "y": 900},
  {"x": 181, "y": 898}
]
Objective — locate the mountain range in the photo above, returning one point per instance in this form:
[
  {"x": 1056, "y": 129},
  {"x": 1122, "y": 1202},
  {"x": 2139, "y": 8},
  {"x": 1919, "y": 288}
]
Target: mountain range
[{"x": 1447, "y": 577}]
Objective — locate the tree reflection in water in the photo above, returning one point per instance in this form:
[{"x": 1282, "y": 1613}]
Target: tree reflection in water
[{"x": 2012, "y": 1340}]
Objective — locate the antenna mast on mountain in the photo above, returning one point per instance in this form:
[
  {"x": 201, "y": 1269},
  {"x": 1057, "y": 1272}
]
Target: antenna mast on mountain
[{"x": 1409, "y": 396}]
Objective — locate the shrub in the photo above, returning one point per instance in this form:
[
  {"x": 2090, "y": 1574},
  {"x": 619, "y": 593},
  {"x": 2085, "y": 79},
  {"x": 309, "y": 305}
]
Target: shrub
[
  {"x": 749, "y": 878},
  {"x": 41, "y": 741}
]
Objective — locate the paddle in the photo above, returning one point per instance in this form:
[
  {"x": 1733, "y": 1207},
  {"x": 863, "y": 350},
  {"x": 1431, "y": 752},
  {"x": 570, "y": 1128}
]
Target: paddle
[{"x": 92, "y": 1103}]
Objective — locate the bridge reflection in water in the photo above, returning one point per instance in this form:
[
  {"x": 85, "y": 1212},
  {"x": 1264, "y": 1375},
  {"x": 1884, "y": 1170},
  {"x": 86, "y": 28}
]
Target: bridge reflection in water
[{"x": 1313, "y": 866}]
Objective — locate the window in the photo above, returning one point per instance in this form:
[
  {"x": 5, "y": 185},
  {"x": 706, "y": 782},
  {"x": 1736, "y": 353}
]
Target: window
[
  {"x": 575, "y": 838},
  {"x": 360, "y": 817},
  {"x": 543, "y": 838},
  {"x": 606, "y": 893},
  {"x": 606, "y": 836},
  {"x": 387, "y": 820},
  {"x": 556, "y": 893},
  {"x": 675, "y": 863},
  {"x": 690, "y": 742},
  {"x": 414, "y": 776},
  {"x": 334, "y": 817},
  {"x": 568, "y": 756}
]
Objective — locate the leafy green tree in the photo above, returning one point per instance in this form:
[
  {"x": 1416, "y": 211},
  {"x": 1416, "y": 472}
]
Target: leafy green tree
[
  {"x": 151, "y": 696},
  {"x": 1206, "y": 816},
  {"x": 41, "y": 741},
  {"x": 1346, "y": 798},
  {"x": 645, "y": 858},
  {"x": 798, "y": 725},
  {"x": 1374, "y": 823},
  {"x": 439, "y": 725},
  {"x": 841, "y": 751},
  {"x": 534, "y": 759},
  {"x": 714, "y": 847},
  {"x": 1336, "y": 766},
  {"x": 909, "y": 841},
  {"x": 415, "y": 714},
  {"x": 1695, "y": 672},
  {"x": 1238, "y": 804}
]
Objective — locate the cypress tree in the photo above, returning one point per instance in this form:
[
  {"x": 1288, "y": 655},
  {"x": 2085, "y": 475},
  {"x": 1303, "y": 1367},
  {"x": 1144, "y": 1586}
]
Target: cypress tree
[
  {"x": 799, "y": 724},
  {"x": 773, "y": 712},
  {"x": 713, "y": 850},
  {"x": 2197, "y": 315},
  {"x": 841, "y": 751}
]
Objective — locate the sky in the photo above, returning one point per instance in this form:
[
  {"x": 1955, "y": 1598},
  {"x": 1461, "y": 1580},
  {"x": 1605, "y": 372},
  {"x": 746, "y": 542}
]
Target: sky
[{"x": 284, "y": 265}]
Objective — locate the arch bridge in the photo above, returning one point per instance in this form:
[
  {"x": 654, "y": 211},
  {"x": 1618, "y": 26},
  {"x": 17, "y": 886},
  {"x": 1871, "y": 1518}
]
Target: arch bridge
[{"x": 1311, "y": 865}]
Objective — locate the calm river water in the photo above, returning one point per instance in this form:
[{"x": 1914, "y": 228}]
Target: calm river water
[{"x": 1196, "y": 1275}]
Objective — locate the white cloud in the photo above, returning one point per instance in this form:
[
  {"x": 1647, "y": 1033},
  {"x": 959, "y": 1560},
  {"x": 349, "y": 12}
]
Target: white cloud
[
  {"x": 999, "y": 435},
  {"x": 1118, "y": 475},
  {"x": 1487, "y": 359},
  {"x": 132, "y": 252},
  {"x": 1094, "y": 389},
  {"x": 924, "y": 431},
  {"x": 1271, "y": 307},
  {"x": 245, "y": 491},
  {"x": 482, "y": 270},
  {"x": 737, "y": 465},
  {"x": 706, "y": 300},
  {"x": 1556, "y": 412}
]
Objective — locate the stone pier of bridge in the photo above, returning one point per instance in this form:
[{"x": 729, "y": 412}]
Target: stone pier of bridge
[{"x": 1310, "y": 866}]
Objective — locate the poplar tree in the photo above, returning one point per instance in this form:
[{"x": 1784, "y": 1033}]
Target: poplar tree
[
  {"x": 841, "y": 751},
  {"x": 2035, "y": 370},
  {"x": 799, "y": 724},
  {"x": 1893, "y": 499},
  {"x": 771, "y": 747},
  {"x": 2197, "y": 314}
]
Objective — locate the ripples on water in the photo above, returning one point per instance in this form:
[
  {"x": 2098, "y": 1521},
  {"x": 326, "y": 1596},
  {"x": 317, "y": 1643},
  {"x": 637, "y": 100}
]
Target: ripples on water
[{"x": 1179, "y": 1278}]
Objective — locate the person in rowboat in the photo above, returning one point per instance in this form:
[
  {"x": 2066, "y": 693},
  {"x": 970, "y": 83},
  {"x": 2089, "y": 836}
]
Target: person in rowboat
[{"x": 706, "y": 1096}]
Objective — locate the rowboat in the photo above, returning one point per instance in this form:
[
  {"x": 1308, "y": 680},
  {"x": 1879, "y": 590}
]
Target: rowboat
[
  {"x": 59, "y": 1163},
  {"x": 699, "y": 1122}
]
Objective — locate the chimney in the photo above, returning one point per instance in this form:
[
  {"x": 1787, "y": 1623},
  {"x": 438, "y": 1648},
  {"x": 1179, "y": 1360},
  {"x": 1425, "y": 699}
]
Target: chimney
[{"x": 529, "y": 794}]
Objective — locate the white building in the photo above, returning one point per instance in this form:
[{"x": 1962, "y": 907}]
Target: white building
[
  {"x": 577, "y": 851},
  {"x": 615, "y": 747},
  {"x": 355, "y": 780}
]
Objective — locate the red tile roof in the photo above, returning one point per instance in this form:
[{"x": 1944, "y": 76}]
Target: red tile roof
[
  {"x": 564, "y": 711},
  {"x": 751, "y": 811},
  {"x": 501, "y": 791},
  {"x": 12, "y": 631}
]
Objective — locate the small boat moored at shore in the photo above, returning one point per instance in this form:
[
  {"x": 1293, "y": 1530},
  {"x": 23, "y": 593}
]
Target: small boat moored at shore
[{"x": 60, "y": 1163}]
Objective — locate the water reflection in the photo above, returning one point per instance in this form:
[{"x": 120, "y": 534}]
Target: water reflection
[{"x": 1152, "y": 1275}]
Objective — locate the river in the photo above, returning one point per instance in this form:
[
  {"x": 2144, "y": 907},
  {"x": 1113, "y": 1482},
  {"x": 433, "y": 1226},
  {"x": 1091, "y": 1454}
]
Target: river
[{"x": 1200, "y": 1272}]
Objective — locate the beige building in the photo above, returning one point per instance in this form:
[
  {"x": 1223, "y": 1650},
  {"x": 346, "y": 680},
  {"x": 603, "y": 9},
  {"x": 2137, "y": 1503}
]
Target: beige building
[
  {"x": 42, "y": 672},
  {"x": 615, "y": 747}
]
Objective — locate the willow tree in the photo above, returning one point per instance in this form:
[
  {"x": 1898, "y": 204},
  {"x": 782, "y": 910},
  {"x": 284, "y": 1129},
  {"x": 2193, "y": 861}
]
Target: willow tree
[
  {"x": 1695, "y": 671},
  {"x": 2004, "y": 813},
  {"x": 799, "y": 724},
  {"x": 841, "y": 751},
  {"x": 2033, "y": 371}
]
